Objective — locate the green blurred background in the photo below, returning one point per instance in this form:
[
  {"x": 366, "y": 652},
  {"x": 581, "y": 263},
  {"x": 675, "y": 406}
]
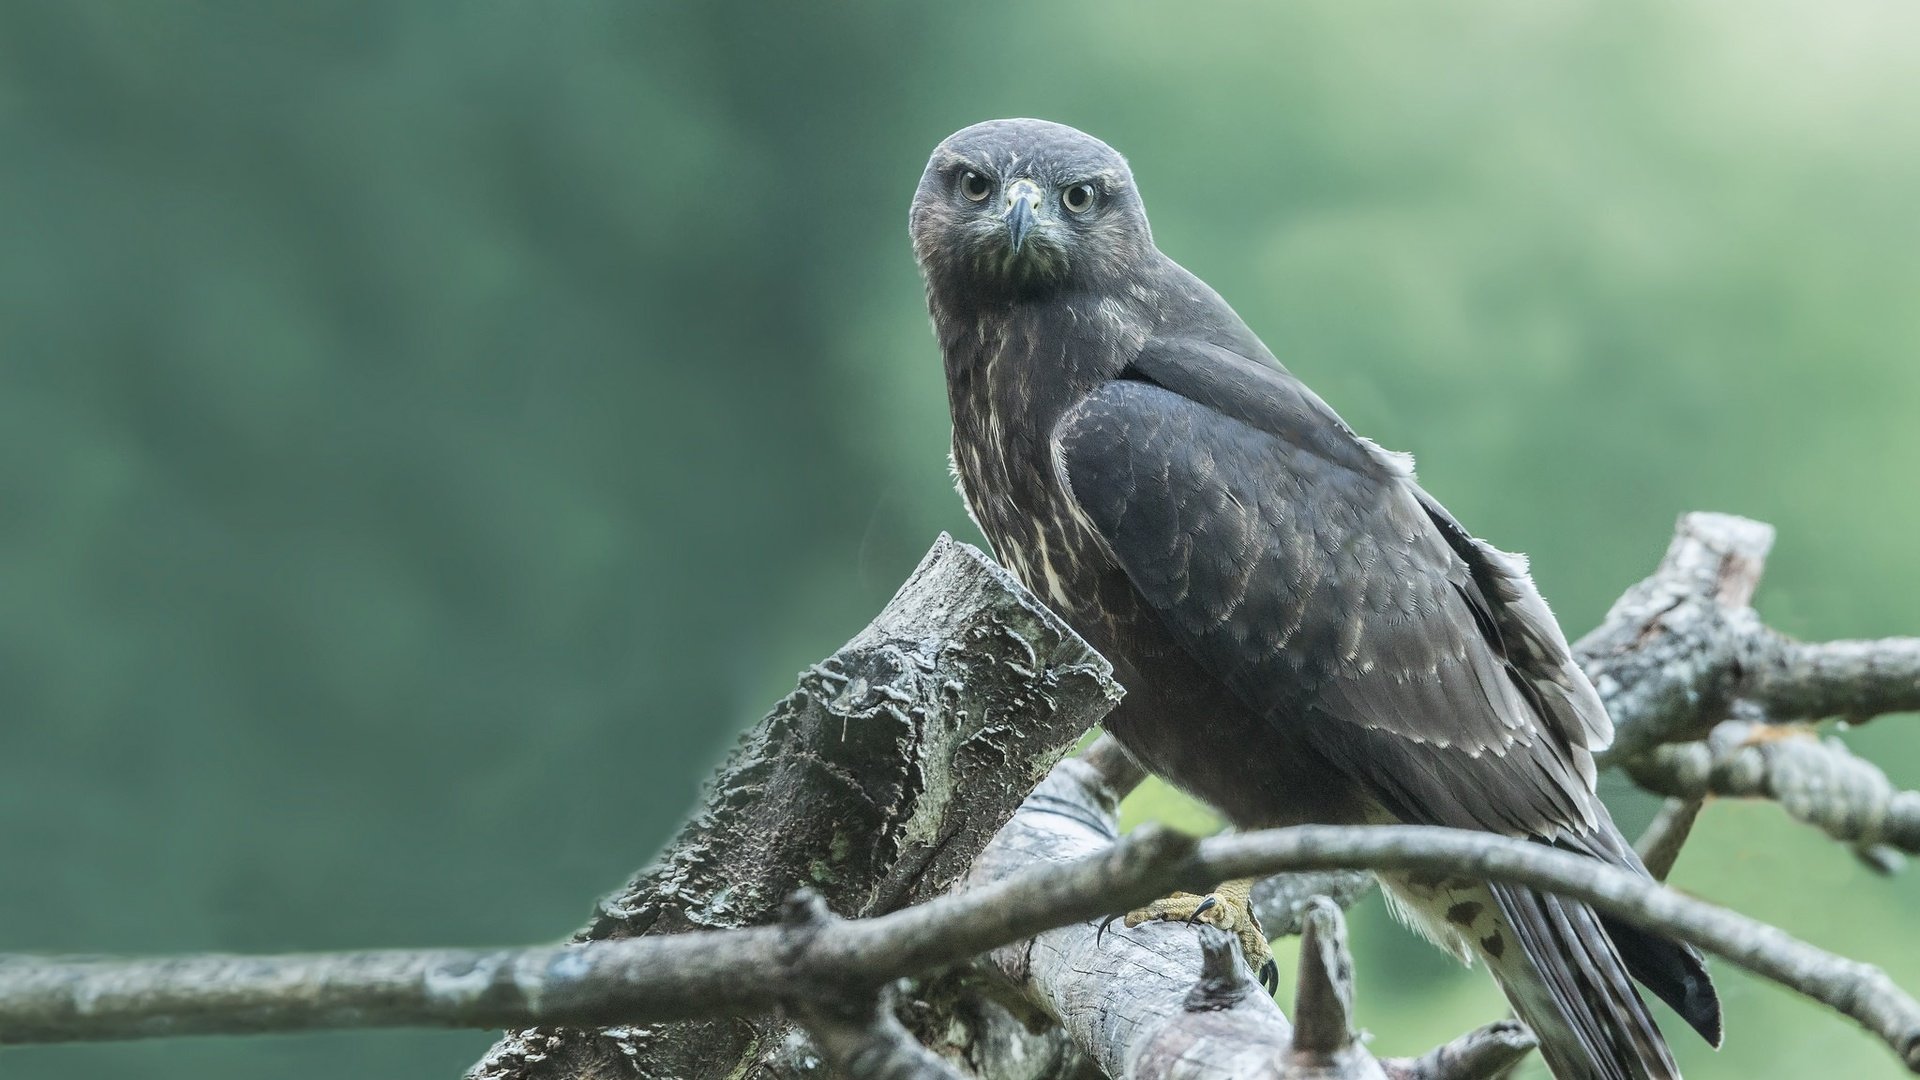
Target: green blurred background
[{"x": 429, "y": 432}]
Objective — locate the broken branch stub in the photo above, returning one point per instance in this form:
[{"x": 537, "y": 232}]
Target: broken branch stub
[{"x": 875, "y": 783}]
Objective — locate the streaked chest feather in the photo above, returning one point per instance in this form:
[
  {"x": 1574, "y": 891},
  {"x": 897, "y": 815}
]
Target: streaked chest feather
[
  {"x": 1011, "y": 376},
  {"x": 1038, "y": 538}
]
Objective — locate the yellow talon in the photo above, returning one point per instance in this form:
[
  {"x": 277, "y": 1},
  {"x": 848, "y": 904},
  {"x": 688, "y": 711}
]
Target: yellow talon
[{"x": 1229, "y": 907}]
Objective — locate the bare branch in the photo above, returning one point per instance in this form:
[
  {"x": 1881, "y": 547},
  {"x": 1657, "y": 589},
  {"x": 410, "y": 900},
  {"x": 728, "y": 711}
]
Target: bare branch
[
  {"x": 926, "y": 688},
  {"x": 1665, "y": 659},
  {"x": 1680, "y": 649},
  {"x": 1659, "y": 847},
  {"x": 1119, "y": 772},
  {"x": 1818, "y": 781},
  {"x": 632, "y": 980},
  {"x": 644, "y": 979},
  {"x": 1123, "y": 996},
  {"x": 1860, "y": 991},
  {"x": 1702, "y": 695},
  {"x": 857, "y": 1033},
  {"x": 1280, "y": 902},
  {"x": 1854, "y": 680}
]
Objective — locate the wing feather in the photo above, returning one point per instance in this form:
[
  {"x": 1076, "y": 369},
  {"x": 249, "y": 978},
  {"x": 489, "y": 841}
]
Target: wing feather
[{"x": 1309, "y": 572}]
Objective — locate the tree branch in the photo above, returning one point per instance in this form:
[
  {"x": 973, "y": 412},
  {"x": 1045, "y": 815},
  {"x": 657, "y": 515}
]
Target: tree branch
[
  {"x": 747, "y": 971},
  {"x": 1679, "y": 651},
  {"x": 857, "y": 1033},
  {"x": 1854, "y": 680},
  {"x": 1659, "y": 847},
  {"x": 875, "y": 783},
  {"x": 1818, "y": 781},
  {"x": 1857, "y": 990},
  {"x": 1703, "y": 695},
  {"x": 1677, "y": 654},
  {"x": 1162, "y": 996},
  {"x": 1280, "y": 901},
  {"x": 741, "y": 972},
  {"x": 1123, "y": 997}
]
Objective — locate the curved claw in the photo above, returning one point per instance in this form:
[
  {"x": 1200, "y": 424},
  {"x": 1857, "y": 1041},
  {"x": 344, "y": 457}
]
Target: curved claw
[
  {"x": 1101, "y": 930},
  {"x": 1202, "y": 909},
  {"x": 1270, "y": 977}
]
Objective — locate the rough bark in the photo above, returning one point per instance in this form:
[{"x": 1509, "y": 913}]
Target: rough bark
[
  {"x": 1683, "y": 650},
  {"x": 1707, "y": 700},
  {"x": 1123, "y": 996},
  {"x": 875, "y": 783},
  {"x": 1818, "y": 781}
]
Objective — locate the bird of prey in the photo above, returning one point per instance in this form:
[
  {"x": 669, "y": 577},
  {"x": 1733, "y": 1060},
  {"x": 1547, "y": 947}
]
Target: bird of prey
[{"x": 1304, "y": 634}]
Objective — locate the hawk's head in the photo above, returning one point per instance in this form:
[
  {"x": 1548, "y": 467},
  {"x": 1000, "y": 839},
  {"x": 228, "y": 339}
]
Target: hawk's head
[{"x": 1025, "y": 206}]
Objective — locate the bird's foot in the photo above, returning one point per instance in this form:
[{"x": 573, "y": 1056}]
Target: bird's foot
[{"x": 1229, "y": 907}]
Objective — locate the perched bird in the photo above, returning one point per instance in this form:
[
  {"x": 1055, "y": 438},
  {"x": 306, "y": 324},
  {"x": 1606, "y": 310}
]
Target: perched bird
[{"x": 1304, "y": 634}]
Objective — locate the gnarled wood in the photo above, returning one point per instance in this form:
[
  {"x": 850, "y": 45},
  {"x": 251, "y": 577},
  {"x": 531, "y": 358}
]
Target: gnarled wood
[{"x": 874, "y": 783}]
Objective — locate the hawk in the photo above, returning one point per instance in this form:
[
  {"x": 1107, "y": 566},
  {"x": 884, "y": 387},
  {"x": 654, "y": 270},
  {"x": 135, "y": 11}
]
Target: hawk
[{"x": 1304, "y": 633}]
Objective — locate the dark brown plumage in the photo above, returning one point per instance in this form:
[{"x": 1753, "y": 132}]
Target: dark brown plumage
[{"x": 1305, "y": 635}]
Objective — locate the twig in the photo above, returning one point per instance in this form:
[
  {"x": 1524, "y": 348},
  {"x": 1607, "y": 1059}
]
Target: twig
[
  {"x": 710, "y": 973},
  {"x": 1123, "y": 997},
  {"x": 1659, "y": 847},
  {"x": 1817, "y": 781},
  {"x": 1281, "y": 902},
  {"x": 856, "y": 1030}
]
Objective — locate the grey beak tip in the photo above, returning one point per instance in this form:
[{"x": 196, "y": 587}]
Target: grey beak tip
[{"x": 1019, "y": 223}]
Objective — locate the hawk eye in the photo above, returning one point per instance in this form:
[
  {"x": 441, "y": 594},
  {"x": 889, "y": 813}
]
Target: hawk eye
[
  {"x": 974, "y": 186},
  {"x": 1078, "y": 199}
]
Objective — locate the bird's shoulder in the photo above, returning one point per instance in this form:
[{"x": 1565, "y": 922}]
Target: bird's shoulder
[{"x": 1200, "y": 350}]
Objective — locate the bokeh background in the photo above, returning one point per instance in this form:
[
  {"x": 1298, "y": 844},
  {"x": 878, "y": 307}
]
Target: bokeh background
[{"x": 429, "y": 432}]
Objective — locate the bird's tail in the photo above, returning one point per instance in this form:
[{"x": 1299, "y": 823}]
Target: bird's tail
[
  {"x": 1569, "y": 972},
  {"x": 1569, "y": 983}
]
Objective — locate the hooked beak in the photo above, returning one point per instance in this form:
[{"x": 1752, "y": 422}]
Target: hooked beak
[{"x": 1021, "y": 214}]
